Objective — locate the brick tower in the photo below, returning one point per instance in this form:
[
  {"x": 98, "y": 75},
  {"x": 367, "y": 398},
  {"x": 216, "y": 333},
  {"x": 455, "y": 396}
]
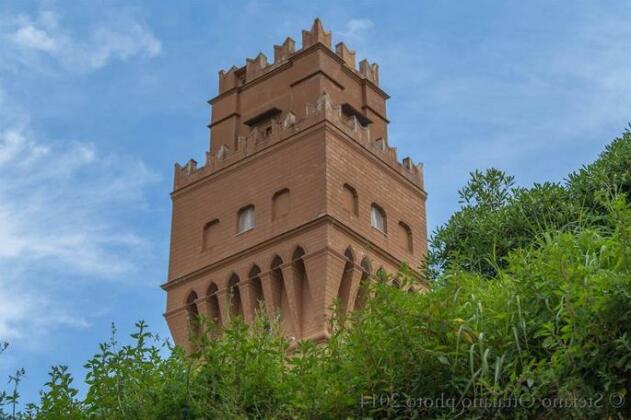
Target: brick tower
[{"x": 300, "y": 198}]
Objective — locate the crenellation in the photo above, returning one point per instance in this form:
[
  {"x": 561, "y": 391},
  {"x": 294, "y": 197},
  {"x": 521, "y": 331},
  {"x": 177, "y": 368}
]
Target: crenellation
[
  {"x": 346, "y": 54},
  {"x": 315, "y": 35},
  {"x": 283, "y": 51},
  {"x": 419, "y": 169},
  {"x": 258, "y": 66},
  {"x": 223, "y": 152},
  {"x": 255, "y": 67},
  {"x": 287, "y": 124},
  {"x": 191, "y": 166},
  {"x": 228, "y": 80},
  {"x": 369, "y": 71}
]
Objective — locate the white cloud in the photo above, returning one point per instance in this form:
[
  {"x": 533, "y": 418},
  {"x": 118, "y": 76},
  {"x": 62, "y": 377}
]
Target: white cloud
[
  {"x": 355, "y": 28},
  {"x": 110, "y": 44},
  {"x": 26, "y": 313},
  {"x": 52, "y": 198},
  {"x": 56, "y": 204},
  {"x": 63, "y": 203},
  {"x": 117, "y": 38},
  {"x": 30, "y": 37}
]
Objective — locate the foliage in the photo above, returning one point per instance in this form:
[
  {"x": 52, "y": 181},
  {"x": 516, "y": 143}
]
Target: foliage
[
  {"x": 555, "y": 325},
  {"x": 609, "y": 175},
  {"x": 497, "y": 218},
  {"x": 549, "y": 337}
]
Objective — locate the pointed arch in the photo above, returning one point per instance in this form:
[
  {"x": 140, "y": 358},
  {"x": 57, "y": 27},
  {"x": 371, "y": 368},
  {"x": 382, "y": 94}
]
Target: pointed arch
[
  {"x": 212, "y": 289},
  {"x": 362, "y": 292},
  {"x": 234, "y": 296},
  {"x": 280, "y": 297},
  {"x": 304, "y": 301},
  {"x": 344, "y": 290},
  {"x": 349, "y": 253},
  {"x": 279, "y": 293},
  {"x": 193, "y": 313},
  {"x": 254, "y": 271},
  {"x": 214, "y": 313},
  {"x": 256, "y": 287},
  {"x": 191, "y": 298},
  {"x": 366, "y": 265},
  {"x": 277, "y": 261},
  {"x": 299, "y": 252}
]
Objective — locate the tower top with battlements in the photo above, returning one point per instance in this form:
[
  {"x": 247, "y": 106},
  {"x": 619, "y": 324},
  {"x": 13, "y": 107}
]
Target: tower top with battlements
[
  {"x": 300, "y": 198},
  {"x": 260, "y": 103}
]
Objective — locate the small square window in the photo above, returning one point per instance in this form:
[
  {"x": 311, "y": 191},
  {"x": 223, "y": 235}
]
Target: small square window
[
  {"x": 378, "y": 218},
  {"x": 247, "y": 219}
]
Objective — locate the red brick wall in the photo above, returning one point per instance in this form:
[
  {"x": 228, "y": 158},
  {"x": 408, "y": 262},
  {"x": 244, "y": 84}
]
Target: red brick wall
[{"x": 313, "y": 162}]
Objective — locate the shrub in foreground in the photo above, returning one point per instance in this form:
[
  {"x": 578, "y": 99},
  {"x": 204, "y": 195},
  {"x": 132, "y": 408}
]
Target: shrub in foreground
[
  {"x": 529, "y": 316},
  {"x": 553, "y": 329},
  {"x": 497, "y": 218}
]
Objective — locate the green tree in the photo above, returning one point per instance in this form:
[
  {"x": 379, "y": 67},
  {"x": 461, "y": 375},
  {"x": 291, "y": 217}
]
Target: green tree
[
  {"x": 496, "y": 218},
  {"x": 554, "y": 325}
]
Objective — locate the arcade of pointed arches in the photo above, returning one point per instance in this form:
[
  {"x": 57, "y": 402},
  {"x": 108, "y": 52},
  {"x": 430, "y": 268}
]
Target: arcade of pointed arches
[{"x": 275, "y": 297}]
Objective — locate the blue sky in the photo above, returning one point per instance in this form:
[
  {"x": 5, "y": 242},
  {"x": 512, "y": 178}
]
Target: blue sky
[{"x": 99, "y": 99}]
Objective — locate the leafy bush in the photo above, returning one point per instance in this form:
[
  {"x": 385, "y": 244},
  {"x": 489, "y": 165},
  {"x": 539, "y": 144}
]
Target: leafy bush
[
  {"x": 554, "y": 326},
  {"x": 497, "y": 218},
  {"x": 548, "y": 337}
]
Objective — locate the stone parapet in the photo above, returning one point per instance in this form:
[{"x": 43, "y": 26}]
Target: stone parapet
[{"x": 287, "y": 125}]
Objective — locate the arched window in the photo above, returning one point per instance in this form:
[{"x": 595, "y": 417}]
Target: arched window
[
  {"x": 378, "y": 218},
  {"x": 349, "y": 199},
  {"x": 247, "y": 219},
  {"x": 280, "y": 204},
  {"x": 405, "y": 237},
  {"x": 209, "y": 237}
]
